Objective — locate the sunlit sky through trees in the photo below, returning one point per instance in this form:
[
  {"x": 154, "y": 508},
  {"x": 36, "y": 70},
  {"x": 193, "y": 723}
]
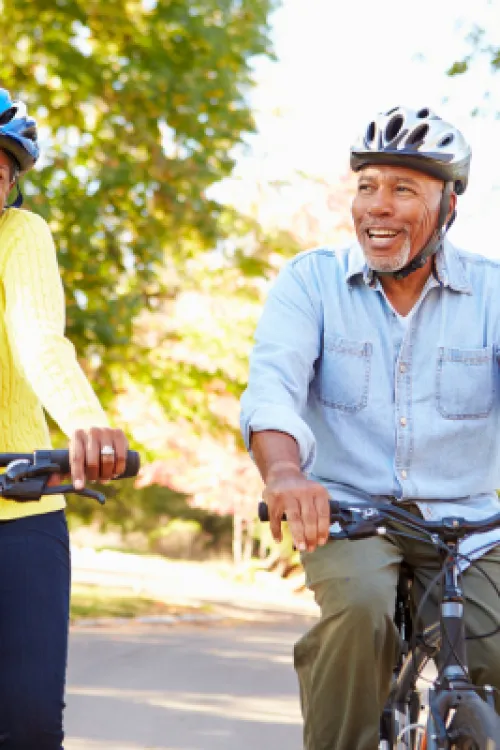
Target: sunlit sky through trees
[{"x": 338, "y": 63}]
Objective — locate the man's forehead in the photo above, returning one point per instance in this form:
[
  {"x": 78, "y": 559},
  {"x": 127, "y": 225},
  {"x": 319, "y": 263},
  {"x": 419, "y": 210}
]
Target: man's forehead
[{"x": 393, "y": 172}]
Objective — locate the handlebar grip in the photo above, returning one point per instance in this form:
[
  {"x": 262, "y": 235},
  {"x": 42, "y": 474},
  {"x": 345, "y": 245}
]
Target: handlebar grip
[
  {"x": 61, "y": 457},
  {"x": 264, "y": 511}
]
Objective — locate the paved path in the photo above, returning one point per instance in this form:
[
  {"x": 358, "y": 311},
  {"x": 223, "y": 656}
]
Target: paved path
[{"x": 213, "y": 687}]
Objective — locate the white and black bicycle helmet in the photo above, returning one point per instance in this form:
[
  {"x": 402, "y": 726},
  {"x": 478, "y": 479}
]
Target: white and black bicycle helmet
[{"x": 420, "y": 140}]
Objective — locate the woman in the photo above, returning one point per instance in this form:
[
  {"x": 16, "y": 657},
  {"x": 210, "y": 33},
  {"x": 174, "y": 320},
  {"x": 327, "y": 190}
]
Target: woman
[{"x": 38, "y": 370}]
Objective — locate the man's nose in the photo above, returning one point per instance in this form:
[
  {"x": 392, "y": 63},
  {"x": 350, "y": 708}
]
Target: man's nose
[{"x": 381, "y": 204}]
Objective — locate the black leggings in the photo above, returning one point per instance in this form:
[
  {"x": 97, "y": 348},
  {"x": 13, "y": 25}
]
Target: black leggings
[{"x": 34, "y": 615}]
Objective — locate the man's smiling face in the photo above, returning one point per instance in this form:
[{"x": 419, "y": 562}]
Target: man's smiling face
[{"x": 395, "y": 213}]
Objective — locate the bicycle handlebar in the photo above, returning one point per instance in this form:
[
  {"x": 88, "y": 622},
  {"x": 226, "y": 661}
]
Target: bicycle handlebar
[
  {"x": 61, "y": 458},
  {"x": 27, "y": 475},
  {"x": 362, "y": 521}
]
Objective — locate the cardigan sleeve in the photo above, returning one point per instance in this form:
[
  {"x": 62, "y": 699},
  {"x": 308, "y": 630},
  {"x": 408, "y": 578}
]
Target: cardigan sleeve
[{"x": 35, "y": 322}]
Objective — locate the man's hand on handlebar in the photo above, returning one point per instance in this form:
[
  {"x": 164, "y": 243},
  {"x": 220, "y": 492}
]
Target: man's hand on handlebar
[
  {"x": 99, "y": 453},
  {"x": 305, "y": 504}
]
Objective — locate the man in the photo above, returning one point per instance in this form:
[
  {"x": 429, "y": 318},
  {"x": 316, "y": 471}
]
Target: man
[
  {"x": 374, "y": 376},
  {"x": 38, "y": 370}
]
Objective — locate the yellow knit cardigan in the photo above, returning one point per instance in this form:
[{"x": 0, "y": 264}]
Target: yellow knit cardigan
[{"x": 38, "y": 365}]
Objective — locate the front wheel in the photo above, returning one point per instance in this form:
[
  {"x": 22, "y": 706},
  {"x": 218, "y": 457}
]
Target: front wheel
[{"x": 475, "y": 726}]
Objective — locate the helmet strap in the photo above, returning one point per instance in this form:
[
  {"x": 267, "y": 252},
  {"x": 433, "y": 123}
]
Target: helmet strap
[
  {"x": 18, "y": 201},
  {"x": 436, "y": 241}
]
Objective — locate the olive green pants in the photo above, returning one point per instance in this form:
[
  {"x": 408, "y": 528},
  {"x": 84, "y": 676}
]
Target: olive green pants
[{"x": 345, "y": 662}]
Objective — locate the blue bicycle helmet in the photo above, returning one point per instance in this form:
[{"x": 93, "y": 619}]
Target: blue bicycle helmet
[{"x": 18, "y": 135}]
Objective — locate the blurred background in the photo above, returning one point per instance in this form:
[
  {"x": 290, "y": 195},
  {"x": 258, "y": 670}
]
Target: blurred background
[{"x": 189, "y": 148}]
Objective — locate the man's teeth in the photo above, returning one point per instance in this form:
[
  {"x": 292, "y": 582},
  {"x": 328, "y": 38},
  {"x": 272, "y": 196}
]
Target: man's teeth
[{"x": 382, "y": 233}]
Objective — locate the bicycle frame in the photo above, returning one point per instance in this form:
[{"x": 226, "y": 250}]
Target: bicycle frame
[{"x": 445, "y": 642}]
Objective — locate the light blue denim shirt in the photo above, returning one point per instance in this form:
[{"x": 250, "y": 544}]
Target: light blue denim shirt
[{"x": 382, "y": 405}]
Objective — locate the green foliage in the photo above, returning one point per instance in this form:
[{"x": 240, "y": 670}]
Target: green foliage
[
  {"x": 180, "y": 539},
  {"x": 458, "y": 68},
  {"x": 152, "y": 511},
  {"x": 98, "y": 601},
  {"x": 140, "y": 105},
  {"x": 479, "y": 46},
  {"x": 130, "y": 508}
]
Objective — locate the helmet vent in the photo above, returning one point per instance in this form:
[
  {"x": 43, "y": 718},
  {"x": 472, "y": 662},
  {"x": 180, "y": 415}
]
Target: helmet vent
[
  {"x": 446, "y": 140},
  {"x": 370, "y": 133},
  {"x": 393, "y": 127},
  {"x": 423, "y": 113},
  {"x": 414, "y": 138},
  {"x": 30, "y": 133},
  {"x": 418, "y": 135},
  {"x": 8, "y": 115}
]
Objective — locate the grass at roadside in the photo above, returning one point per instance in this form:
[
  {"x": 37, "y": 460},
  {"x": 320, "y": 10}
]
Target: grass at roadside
[{"x": 97, "y": 601}]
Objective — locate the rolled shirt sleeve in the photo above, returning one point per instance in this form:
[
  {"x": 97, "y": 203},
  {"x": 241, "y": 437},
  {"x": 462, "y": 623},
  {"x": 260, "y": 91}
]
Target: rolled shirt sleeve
[{"x": 287, "y": 344}]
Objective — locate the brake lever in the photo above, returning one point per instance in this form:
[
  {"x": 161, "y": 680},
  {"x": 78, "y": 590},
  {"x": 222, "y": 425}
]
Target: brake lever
[
  {"x": 357, "y": 523},
  {"x": 24, "y": 490},
  {"x": 66, "y": 489},
  {"x": 22, "y": 469},
  {"x": 24, "y": 481},
  {"x": 27, "y": 490}
]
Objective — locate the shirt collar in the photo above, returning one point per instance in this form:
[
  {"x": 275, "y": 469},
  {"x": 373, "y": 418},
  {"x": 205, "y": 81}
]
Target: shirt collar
[
  {"x": 450, "y": 270},
  {"x": 356, "y": 266}
]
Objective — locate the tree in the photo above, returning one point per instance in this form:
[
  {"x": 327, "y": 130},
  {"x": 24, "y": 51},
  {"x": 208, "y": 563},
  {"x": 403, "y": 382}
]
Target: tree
[
  {"x": 141, "y": 104},
  {"x": 479, "y": 46}
]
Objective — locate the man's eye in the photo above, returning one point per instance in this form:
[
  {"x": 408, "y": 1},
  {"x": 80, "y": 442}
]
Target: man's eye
[
  {"x": 364, "y": 188},
  {"x": 403, "y": 189}
]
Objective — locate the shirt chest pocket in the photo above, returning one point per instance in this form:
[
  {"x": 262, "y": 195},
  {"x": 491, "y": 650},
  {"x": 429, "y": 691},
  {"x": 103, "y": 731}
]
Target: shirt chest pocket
[
  {"x": 465, "y": 383},
  {"x": 343, "y": 377}
]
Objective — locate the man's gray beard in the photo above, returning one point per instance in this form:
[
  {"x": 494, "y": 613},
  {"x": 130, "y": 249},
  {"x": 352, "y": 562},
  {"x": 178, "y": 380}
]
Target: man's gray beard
[{"x": 391, "y": 263}]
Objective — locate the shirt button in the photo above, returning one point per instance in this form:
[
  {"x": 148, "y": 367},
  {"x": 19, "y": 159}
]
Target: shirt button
[
  {"x": 402, "y": 421},
  {"x": 402, "y": 368},
  {"x": 404, "y": 474}
]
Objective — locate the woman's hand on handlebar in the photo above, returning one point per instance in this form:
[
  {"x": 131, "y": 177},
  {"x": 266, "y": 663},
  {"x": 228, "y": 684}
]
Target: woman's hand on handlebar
[
  {"x": 89, "y": 461},
  {"x": 306, "y": 506}
]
